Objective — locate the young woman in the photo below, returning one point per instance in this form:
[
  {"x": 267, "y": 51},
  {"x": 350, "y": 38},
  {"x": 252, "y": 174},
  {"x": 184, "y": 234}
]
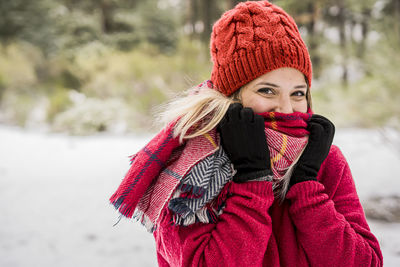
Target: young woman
[{"x": 244, "y": 174}]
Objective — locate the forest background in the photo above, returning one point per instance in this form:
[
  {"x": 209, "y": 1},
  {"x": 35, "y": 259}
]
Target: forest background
[
  {"x": 91, "y": 66},
  {"x": 79, "y": 83}
]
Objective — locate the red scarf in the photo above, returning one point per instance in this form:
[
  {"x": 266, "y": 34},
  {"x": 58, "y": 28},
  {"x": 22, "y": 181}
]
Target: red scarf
[
  {"x": 144, "y": 193},
  {"x": 293, "y": 124},
  {"x": 145, "y": 167},
  {"x": 287, "y": 136},
  {"x": 151, "y": 180}
]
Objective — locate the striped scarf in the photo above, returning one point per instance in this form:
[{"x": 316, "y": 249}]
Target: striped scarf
[
  {"x": 201, "y": 195},
  {"x": 156, "y": 171},
  {"x": 195, "y": 175},
  {"x": 197, "y": 172},
  {"x": 287, "y": 136}
]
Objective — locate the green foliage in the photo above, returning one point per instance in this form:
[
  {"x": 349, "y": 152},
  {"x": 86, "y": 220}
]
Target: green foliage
[
  {"x": 27, "y": 20},
  {"x": 2, "y": 89},
  {"x": 124, "y": 57},
  {"x": 371, "y": 101},
  {"x": 59, "y": 101},
  {"x": 17, "y": 66},
  {"x": 159, "y": 27},
  {"x": 80, "y": 31},
  {"x": 160, "y": 31},
  {"x": 18, "y": 81},
  {"x": 143, "y": 77},
  {"x": 91, "y": 116}
]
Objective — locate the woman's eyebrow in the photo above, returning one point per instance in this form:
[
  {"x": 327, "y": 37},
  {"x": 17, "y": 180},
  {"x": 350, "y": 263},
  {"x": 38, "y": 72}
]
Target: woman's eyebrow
[
  {"x": 303, "y": 86},
  {"x": 269, "y": 84}
]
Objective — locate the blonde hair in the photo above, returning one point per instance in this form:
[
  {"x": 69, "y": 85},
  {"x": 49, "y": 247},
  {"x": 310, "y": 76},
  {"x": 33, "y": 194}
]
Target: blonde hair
[
  {"x": 197, "y": 112},
  {"x": 200, "y": 110}
]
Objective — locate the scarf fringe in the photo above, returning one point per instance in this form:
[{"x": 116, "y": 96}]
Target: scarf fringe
[
  {"x": 147, "y": 164},
  {"x": 180, "y": 208},
  {"x": 223, "y": 195},
  {"x": 184, "y": 216},
  {"x": 132, "y": 158},
  {"x": 122, "y": 207},
  {"x": 141, "y": 217},
  {"x": 207, "y": 214},
  {"x": 192, "y": 190}
]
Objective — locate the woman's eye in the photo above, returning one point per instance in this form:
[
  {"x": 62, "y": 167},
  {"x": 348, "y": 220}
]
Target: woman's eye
[
  {"x": 299, "y": 93},
  {"x": 265, "y": 91}
]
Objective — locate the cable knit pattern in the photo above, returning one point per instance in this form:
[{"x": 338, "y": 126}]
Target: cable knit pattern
[{"x": 252, "y": 39}]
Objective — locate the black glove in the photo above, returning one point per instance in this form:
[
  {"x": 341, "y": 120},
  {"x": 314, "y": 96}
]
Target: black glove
[
  {"x": 243, "y": 139},
  {"x": 319, "y": 143}
]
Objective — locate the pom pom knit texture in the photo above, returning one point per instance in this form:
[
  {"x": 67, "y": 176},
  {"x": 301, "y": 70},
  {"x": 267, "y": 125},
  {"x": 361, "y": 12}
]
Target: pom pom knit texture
[{"x": 252, "y": 39}]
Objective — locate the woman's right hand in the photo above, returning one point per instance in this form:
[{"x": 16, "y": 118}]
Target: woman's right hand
[{"x": 243, "y": 139}]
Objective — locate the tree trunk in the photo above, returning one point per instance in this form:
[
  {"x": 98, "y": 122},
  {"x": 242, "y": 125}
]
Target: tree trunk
[
  {"x": 314, "y": 12},
  {"x": 106, "y": 16},
  {"x": 208, "y": 16},
  {"x": 193, "y": 17},
  {"x": 233, "y": 3},
  {"x": 366, "y": 16},
  {"x": 343, "y": 41},
  {"x": 397, "y": 19}
]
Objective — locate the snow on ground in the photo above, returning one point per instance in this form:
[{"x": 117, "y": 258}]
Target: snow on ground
[{"x": 54, "y": 192}]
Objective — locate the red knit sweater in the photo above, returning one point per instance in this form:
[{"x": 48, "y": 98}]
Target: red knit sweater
[{"x": 319, "y": 224}]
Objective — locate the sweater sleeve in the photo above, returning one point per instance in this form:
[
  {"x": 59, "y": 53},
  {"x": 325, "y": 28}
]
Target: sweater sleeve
[
  {"x": 330, "y": 220},
  {"x": 239, "y": 238}
]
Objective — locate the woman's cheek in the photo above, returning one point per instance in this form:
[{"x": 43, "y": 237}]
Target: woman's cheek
[
  {"x": 262, "y": 105},
  {"x": 300, "y": 106}
]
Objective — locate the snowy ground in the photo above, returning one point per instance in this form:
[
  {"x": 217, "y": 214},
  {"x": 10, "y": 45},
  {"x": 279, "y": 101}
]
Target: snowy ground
[{"x": 54, "y": 192}]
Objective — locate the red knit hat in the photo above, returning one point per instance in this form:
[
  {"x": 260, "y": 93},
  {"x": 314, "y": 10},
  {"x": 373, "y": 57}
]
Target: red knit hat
[{"x": 252, "y": 39}]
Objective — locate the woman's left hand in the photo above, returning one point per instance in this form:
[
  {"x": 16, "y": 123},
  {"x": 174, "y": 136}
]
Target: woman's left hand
[{"x": 319, "y": 143}]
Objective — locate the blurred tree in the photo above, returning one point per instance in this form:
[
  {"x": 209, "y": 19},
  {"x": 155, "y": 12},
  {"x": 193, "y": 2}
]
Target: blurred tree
[
  {"x": 193, "y": 18},
  {"x": 347, "y": 16},
  {"x": 31, "y": 21},
  {"x": 107, "y": 9},
  {"x": 365, "y": 27},
  {"x": 201, "y": 17},
  {"x": 311, "y": 22},
  {"x": 392, "y": 9},
  {"x": 341, "y": 20},
  {"x": 2, "y": 89},
  {"x": 209, "y": 14},
  {"x": 159, "y": 26},
  {"x": 308, "y": 16},
  {"x": 233, "y": 3},
  {"x": 80, "y": 39}
]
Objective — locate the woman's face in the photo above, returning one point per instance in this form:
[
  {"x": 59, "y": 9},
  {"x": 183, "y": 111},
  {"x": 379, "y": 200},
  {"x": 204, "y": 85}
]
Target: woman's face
[{"x": 281, "y": 90}]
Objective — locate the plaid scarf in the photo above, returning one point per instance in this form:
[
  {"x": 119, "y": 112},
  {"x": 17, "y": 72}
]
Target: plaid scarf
[
  {"x": 287, "y": 136},
  {"x": 292, "y": 124},
  {"x": 145, "y": 165},
  {"x": 158, "y": 170},
  {"x": 201, "y": 195},
  {"x": 195, "y": 175}
]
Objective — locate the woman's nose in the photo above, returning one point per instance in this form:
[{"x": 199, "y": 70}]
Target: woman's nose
[{"x": 285, "y": 105}]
